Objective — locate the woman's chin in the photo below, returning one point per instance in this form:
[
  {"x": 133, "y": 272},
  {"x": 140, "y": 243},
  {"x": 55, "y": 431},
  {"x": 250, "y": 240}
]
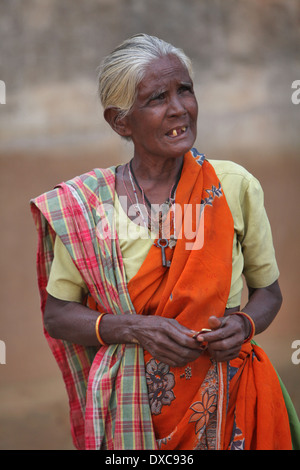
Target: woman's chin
[{"x": 180, "y": 145}]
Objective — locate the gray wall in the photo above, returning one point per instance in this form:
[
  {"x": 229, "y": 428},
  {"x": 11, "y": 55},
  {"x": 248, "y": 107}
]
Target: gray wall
[{"x": 245, "y": 53}]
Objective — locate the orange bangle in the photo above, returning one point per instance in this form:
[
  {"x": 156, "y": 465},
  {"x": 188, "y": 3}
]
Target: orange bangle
[
  {"x": 97, "y": 327},
  {"x": 252, "y": 332}
]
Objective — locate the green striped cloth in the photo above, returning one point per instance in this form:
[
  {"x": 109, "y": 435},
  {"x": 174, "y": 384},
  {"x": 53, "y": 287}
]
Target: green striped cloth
[{"x": 107, "y": 388}]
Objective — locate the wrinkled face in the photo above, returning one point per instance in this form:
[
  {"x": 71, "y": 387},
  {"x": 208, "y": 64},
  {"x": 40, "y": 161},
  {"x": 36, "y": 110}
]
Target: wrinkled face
[{"x": 163, "y": 119}]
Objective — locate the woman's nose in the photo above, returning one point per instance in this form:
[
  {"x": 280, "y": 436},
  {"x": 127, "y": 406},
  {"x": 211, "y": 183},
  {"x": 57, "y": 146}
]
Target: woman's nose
[{"x": 176, "y": 106}]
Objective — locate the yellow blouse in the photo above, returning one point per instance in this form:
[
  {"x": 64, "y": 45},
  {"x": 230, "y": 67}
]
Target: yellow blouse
[{"x": 253, "y": 253}]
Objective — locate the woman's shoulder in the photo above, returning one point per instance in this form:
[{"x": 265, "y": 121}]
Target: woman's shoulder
[
  {"x": 86, "y": 187},
  {"x": 93, "y": 177},
  {"x": 238, "y": 183},
  {"x": 229, "y": 168},
  {"x": 234, "y": 177}
]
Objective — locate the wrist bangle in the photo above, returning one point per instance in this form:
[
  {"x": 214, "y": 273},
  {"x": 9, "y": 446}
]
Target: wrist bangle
[
  {"x": 97, "y": 328},
  {"x": 252, "y": 324}
]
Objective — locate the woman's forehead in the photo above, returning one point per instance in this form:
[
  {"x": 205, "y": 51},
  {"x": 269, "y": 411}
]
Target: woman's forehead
[{"x": 160, "y": 71}]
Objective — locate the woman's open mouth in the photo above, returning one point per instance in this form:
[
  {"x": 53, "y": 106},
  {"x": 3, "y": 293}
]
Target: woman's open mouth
[{"x": 177, "y": 131}]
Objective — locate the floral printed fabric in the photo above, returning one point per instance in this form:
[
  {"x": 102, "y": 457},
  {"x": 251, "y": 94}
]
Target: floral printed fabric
[
  {"x": 202, "y": 420},
  {"x": 204, "y": 412},
  {"x": 160, "y": 383}
]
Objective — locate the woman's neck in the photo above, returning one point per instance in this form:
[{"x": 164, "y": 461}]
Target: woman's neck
[{"x": 154, "y": 172}]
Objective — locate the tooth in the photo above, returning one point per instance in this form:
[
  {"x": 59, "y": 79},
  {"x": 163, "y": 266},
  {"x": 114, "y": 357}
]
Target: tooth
[
  {"x": 183, "y": 129},
  {"x": 174, "y": 132}
]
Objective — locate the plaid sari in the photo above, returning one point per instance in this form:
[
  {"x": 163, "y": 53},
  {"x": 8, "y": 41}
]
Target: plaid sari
[{"x": 106, "y": 387}]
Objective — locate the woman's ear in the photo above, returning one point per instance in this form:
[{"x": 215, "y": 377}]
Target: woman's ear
[{"x": 116, "y": 121}]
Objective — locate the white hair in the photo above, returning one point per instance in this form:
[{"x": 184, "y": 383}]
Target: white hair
[{"x": 123, "y": 69}]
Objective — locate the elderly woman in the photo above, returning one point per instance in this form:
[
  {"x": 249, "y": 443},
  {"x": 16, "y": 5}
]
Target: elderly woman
[{"x": 140, "y": 272}]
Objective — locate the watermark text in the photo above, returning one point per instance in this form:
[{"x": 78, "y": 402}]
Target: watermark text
[
  {"x": 159, "y": 221},
  {"x": 2, "y": 92},
  {"x": 296, "y": 353},
  {"x": 296, "y": 94},
  {"x": 2, "y": 352}
]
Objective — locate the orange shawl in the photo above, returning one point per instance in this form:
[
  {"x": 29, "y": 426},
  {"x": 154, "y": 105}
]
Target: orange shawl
[{"x": 189, "y": 404}]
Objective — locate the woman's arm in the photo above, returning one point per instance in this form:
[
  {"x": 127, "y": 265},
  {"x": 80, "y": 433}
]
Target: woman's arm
[
  {"x": 70, "y": 321},
  {"x": 225, "y": 341},
  {"x": 263, "y": 305},
  {"x": 165, "y": 339}
]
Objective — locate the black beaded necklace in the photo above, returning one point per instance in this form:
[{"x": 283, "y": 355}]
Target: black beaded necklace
[
  {"x": 162, "y": 242},
  {"x": 171, "y": 197}
]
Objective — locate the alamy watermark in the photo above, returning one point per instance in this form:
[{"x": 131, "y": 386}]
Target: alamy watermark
[
  {"x": 2, "y": 92},
  {"x": 296, "y": 353},
  {"x": 175, "y": 222},
  {"x": 296, "y": 94},
  {"x": 2, "y": 352}
]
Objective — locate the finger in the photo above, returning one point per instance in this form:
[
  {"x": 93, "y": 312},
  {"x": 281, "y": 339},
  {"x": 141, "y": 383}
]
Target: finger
[
  {"x": 176, "y": 360},
  {"x": 166, "y": 332},
  {"x": 181, "y": 335},
  {"x": 220, "y": 330},
  {"x": 167, "y": 350},
  {"x": 187, "y": 354},
  {"x": 224, "y": 356},
  {"x": 214, "y": 322},
  {"x": 226, "y": 348}
]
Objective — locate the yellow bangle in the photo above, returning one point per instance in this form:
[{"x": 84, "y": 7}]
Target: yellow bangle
[
  {"x": 97, "y": 327},
  {"x": 252, "y": 331}
]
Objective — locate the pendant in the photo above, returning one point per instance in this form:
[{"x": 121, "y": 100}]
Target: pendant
[
  {"x": 172, "y": 241},
  {"x": 162, "y": 243}
]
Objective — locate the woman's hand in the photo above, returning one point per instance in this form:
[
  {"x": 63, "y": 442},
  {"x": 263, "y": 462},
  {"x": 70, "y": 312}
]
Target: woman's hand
[
  {"x": 230, "y": 331},
  {"x": 226, "y": 338},
  {"x": 164, "y": 338}
]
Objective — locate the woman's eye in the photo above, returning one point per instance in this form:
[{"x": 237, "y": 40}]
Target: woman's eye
[
  {"x": 158, "y": 97},
  {"x": 184, "y": 88}
]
